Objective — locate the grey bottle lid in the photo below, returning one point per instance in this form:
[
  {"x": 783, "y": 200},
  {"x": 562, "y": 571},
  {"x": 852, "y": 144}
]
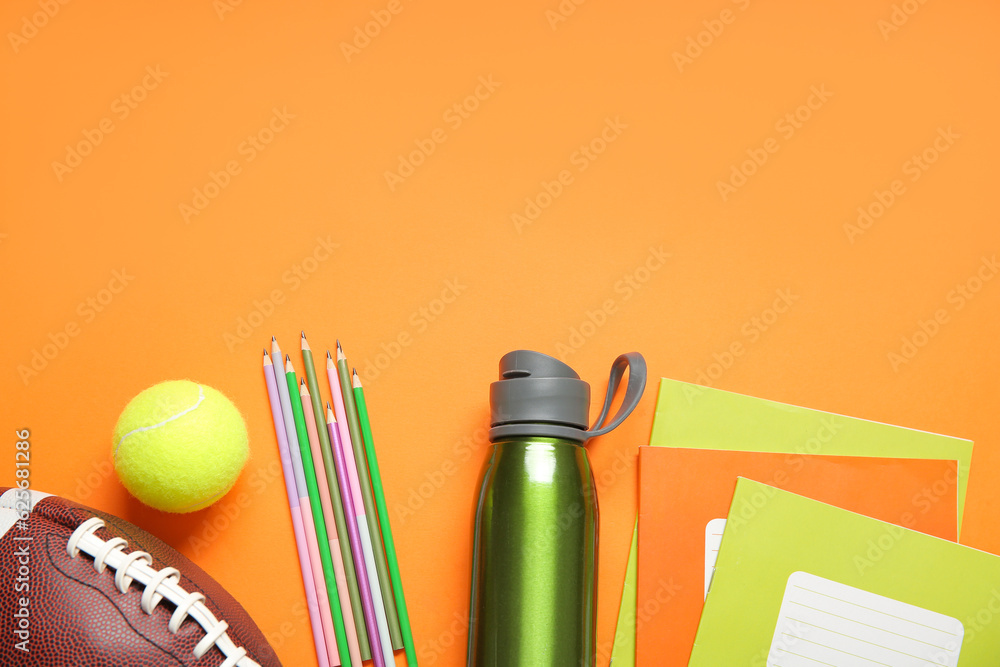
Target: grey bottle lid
[{"x": 538, "y": 395}]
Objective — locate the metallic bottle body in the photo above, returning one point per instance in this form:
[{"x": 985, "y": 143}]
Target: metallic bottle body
[{"x": 534, "y": 570}]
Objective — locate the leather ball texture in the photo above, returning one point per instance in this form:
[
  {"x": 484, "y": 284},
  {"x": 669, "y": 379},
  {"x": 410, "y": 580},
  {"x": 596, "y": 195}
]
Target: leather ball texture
[{"x": 58, "y": 610}]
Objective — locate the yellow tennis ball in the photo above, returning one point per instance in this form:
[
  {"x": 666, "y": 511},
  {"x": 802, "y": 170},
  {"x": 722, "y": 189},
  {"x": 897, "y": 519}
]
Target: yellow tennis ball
[{"x": 179, "y": 446}]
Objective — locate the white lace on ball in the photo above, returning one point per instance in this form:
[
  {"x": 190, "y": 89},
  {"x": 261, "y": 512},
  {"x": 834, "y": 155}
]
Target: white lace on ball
[{"x": 159, "y": 585}]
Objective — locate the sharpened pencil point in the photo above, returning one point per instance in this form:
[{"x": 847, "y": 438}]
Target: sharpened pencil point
[
  {"x": 356, "y": 381},
  {"x": 330, "y": 419},
  {"x": 328, "y": 355},
  {"x": 340, "y": 350},
  {"x": 288, "y": 359},
  {"x": 273, "y": 339},
  {"x": 303, "y": 333},
  {"x": 265, "y": 351}
]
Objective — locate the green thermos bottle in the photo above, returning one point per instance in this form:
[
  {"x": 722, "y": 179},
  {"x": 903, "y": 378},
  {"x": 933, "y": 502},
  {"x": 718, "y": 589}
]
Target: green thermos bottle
[{"x": 534, "y": 563}]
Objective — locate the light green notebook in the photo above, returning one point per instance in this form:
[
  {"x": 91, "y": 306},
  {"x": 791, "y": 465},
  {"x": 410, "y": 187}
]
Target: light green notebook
[
  {"x": 800, "y": 583},
  {"x": 689, "y": 415}
]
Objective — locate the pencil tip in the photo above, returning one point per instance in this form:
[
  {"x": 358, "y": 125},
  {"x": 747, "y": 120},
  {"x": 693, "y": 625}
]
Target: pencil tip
[
  {"x": 273, "y": 339},
  {"x": 302, "y": 381},
  {"x": 288, "y": 358},
  {"x": 303, "y": 333},
  {"x": 328, "y": 355},
  {"x": 339, "y": 348},
  {"x": 265, "y": 351}
]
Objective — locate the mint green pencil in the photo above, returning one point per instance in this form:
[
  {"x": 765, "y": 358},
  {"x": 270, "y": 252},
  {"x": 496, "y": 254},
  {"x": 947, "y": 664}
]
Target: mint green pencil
[
  {"x": 383, "y": 517},
  {"x": 317, "y": 510}
]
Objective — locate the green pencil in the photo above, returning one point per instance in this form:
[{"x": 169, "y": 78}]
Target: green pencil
[
  {"x": 317, "y": 511},
  {"x": 357, "y": 443},
  {"x": 337, "y": 500},
  {"x": 383, "y": 517}
]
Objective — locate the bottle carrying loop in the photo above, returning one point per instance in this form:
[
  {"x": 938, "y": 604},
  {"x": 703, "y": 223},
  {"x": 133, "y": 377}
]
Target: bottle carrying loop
[{"x": 636, "y": 365}]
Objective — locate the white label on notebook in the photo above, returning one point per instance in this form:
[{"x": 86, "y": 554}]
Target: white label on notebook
[
  {"x": 713, "y": 539},
  {"x": 823, "y": 622}
]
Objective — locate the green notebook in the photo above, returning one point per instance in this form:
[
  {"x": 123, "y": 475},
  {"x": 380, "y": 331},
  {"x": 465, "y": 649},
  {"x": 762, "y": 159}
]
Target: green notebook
[
  {"x": 688, "y": 415},
  {"x": 800, "y": 583}
]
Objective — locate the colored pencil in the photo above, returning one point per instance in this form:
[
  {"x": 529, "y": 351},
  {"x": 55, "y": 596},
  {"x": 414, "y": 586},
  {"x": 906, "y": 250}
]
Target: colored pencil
[
  {"x": 296, "y": 511},
  {"x": 383, "y": 516},
  {"x": 357, "y": 444},
  {"x": 382, "y": 654},
  {"x": 332, "y": 533},
  {"x": 367, "y": 552},
  {"x": 336, "y": 497},
  {"x": 308, "y": 522},
  {"x": 309, "y": 472}
]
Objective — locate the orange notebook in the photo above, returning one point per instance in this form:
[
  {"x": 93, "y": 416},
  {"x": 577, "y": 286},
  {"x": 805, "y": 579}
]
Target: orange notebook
[{"x": 684, "y": 497}]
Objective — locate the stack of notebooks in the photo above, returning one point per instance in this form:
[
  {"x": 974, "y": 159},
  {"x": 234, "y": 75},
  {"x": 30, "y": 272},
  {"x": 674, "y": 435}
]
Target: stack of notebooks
[{"x": 776, "y": 536}]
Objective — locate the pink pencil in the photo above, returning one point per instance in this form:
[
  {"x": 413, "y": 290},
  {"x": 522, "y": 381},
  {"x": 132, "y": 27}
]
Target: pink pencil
[
  {"x": 309, "y": 563},
  {"x": 353, "y": 646},
  {"x": 293, "y": 504},
  {"x": 364, "y": 549},
  {"x": 357, "y": 547}
]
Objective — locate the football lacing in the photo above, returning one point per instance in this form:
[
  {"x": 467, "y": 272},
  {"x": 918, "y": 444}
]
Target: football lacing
[{"x": 159, "y": 585}]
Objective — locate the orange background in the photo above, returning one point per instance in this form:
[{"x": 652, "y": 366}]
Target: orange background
[{"x": 574, "y": 280}]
